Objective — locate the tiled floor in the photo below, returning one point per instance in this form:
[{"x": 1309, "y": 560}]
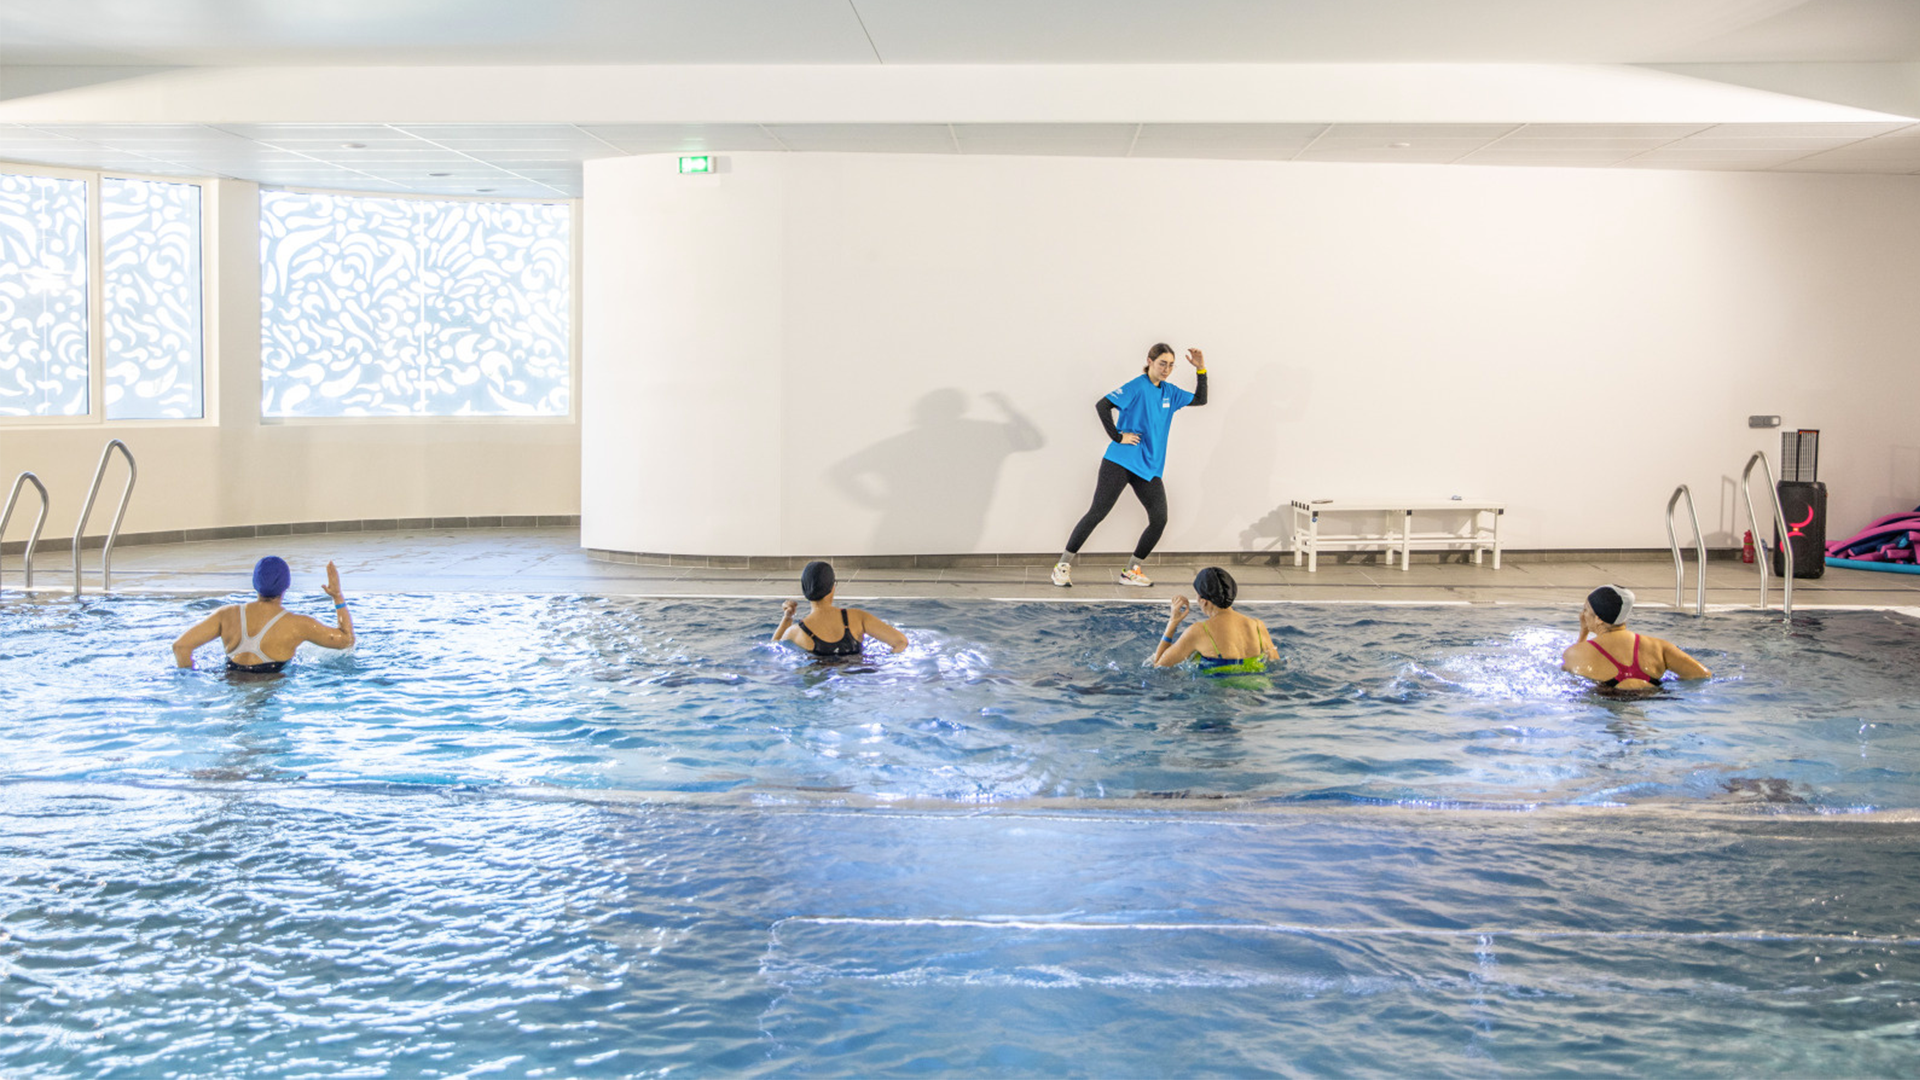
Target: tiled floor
[{"x": 551, "y": 561}]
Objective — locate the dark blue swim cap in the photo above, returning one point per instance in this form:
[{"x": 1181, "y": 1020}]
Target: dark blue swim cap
[
  {"x": 271, "y": 577},
  {"x": 816, "y": 580}
]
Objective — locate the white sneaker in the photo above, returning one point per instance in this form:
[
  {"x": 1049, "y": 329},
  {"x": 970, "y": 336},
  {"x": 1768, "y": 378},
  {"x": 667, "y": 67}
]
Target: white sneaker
[
  {"x": 1063, "y": 575},
  {"x": 1132, "y": 576}
]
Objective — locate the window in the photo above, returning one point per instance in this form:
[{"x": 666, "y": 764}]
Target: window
[
  {"x": 149, "y": 279},
  {"x": 150, "y": 271},
  {"x": 45, "y": 366},
  {"x": 414, "y": 307}
]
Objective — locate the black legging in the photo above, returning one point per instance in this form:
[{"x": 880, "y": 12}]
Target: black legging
[{"x": 1106, "y": 492}]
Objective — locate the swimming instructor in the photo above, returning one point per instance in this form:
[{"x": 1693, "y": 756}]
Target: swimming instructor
[{"x": 1137, "y": 455}]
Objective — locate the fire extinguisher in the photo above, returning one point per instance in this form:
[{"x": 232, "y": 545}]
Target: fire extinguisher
[{"x": 1746, "y": 548}]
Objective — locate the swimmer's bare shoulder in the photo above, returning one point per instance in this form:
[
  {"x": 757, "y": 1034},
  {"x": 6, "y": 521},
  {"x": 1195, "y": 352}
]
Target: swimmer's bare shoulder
[
  {"x": 1676, "y": 660},
  {"x": 1580, "y": 660},
  {"x": 867, "y": 624}
]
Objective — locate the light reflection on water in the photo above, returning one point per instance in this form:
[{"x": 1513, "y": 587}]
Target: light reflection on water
[
  {"x": 286, "y": 929},
  {"x": 427, "y": 857}
]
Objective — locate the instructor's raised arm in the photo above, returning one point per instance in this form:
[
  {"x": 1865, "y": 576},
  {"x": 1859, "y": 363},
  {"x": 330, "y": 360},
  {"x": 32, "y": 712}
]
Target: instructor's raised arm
[{"x": 1199, "y": 362}]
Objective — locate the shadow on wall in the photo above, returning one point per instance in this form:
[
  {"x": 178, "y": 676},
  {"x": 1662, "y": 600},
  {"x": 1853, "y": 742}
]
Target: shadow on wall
[
  {"x": 1249, "y": 456},
  {"x": 932, "y": 484},
  {"x": 1906, "y": 478},
  {"x": 1728, "y": 527}
]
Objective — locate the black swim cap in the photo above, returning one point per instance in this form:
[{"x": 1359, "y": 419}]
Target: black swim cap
[
  {"x": 1611, "y": 603},
  {"x": 816, "y": 580},
  {"x": 1215, "y": 586}
]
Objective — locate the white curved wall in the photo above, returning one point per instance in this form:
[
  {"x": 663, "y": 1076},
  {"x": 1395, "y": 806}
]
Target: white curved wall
[{"x": 871, "y": 354}]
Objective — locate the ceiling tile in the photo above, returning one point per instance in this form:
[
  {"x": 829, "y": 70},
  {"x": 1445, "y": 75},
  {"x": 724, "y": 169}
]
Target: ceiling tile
[
  {"x": 1575, "y": 146},
  {"x": 1428, "y": 154},
  {"x": 1802, "y": 131},
  {"x": 667, "y": 138},
  {"x": 496, "y": 134},
  {"x": 1216, "y": 138},
  {"x": 1803, "y": 145},
  {"x": 1044, "y": 139},
  {"x": 1658, "y": 133},
  {"x": 335, "y": 133},
  {"x": 865, "y": 138},
  {"x": 1709, "y": 156},
  {"x": 1503, "y": 154},
  {"x": 1887, "y": 167},
  {"x": 1386, "y": 133}
]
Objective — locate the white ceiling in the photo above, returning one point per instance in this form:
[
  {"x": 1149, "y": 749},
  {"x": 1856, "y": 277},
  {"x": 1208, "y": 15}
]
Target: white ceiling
[
  {"x": 246, "y": 32},
  {"x": 50, "y": 47}
]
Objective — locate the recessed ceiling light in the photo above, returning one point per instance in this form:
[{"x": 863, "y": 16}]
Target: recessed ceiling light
[
  {"x": 484, "y": 190},
  {"x": 439, "y": 174},
  {"x": 1398, "y": 145},
  {"x": 353, "y": 146}
]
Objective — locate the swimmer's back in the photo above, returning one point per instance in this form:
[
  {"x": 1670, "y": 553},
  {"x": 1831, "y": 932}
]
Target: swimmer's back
[
  {"x": 1615, "y": 658},
  {"x": 279, "y": 642},
  {"x": 1233, "y": 636}
]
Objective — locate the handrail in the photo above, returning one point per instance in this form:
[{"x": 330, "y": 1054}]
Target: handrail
[
  {"x": 1700, "y": 549},
  {"x": 6, "y": 515},
  {"x": 113, "y": 532},
  {"x": 1780, "y": 518}
]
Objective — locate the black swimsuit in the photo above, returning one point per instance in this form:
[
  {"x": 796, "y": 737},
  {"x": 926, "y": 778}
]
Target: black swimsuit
[
  {"x": 848, "y": 645},
  {"x": 271, "y": 667}
]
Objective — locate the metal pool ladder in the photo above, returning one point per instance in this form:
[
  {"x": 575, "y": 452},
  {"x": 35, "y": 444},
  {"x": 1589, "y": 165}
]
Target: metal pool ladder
[
  {"x": 1780, "y": 518},
  {"x": 113, "y": 532},
  {"x": 39, "y": 520},
  {"x": 1700, "y": 551}
]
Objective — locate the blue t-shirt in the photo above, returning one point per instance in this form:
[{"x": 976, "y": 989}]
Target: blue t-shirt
[{"x": 1147, "y": 411}]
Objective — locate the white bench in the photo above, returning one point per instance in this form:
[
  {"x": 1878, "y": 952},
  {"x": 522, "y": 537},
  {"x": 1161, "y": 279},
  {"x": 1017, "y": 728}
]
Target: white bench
[{"x": 1395, "y": 533}]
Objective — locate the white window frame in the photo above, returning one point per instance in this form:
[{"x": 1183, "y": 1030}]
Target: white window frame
[
  {"x": 96, "y": 414},
  {"x": 574, "y": 307}
]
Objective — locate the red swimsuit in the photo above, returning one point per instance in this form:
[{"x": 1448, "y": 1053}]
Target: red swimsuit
[{"x": 1629, "y": 670}]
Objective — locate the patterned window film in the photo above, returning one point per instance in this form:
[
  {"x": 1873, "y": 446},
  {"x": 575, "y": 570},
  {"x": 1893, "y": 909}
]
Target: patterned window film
[
  {"x": 44, "y": 361},
  {"x": 414, "y": 307},
  {"x": 150, "y": 268}
]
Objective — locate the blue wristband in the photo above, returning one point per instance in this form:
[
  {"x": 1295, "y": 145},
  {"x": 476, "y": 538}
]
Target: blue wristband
[
  {"x": 341, "y": 606},
  {"x": 1166, "y": 639}
]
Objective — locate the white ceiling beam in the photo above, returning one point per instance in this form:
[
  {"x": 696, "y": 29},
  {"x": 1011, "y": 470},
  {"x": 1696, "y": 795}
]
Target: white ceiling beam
[
  {"x": 1888, "y": 88},
  {"x": 1218, "y": 93}
]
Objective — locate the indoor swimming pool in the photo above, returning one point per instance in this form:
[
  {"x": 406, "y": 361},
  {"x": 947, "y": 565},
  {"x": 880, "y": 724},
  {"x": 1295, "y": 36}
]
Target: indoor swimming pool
[{"x": 609, "y": 836}]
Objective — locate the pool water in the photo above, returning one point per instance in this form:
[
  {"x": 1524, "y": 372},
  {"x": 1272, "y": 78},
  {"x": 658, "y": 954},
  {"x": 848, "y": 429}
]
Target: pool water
[{"x": 591, "y": 836}]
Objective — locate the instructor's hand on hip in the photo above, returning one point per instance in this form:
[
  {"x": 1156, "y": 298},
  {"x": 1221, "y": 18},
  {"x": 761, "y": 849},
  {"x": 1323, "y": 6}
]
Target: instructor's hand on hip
[
  {"x": 1197, "y": 360},
  {"x": 1128, "y": 438}
]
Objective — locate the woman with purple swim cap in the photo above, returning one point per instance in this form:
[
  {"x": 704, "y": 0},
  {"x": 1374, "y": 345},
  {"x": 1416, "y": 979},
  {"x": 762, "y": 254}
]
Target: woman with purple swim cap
[{"x": 261, "y": 636}]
